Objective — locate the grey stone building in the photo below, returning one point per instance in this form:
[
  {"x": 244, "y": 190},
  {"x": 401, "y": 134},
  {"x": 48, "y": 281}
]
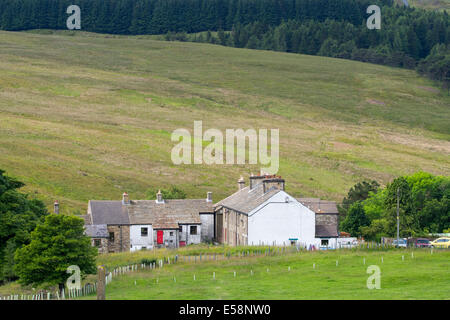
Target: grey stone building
[
  {"x": 263, "y": 213},
  {"x": 114, "y": 216},
  {"x": 145, "y": 224},
  {"x": 99, "y": 236},
  {"x": 327, "y": 220}
]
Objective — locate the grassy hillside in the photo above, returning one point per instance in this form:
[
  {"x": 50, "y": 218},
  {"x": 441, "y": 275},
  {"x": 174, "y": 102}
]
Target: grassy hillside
[
  {"x": 418, "y": 276},
  {"x": 86, "y": 116}
]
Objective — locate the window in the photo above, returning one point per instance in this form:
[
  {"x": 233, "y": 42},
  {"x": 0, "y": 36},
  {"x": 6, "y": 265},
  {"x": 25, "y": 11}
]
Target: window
[
  {"x": 144, "y": 232},
  {"x": 111, "y": 236},
  {"x": 193, "y": 230},
  {"x": 171, "y": 233},
  {"x": 324, "y": 243},
  {"x": 97, "y": 242}
]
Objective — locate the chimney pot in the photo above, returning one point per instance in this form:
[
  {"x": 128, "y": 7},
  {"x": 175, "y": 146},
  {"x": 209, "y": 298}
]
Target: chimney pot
[
  {"x": 56, "y": 207},
  {"x": 159, "y": 197},
  {"x": 125, "y": 198},
  {"x": 241, "y": 183}
]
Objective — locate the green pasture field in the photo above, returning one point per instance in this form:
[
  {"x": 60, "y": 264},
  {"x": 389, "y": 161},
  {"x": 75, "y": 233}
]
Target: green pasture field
[{"x": 420, "y": 274}]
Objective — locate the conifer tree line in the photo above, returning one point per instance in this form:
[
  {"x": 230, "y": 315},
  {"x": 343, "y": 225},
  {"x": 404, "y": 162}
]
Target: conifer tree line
[
  {"x": 411, "y": 38},
  {"x": 161, "y": 16}
]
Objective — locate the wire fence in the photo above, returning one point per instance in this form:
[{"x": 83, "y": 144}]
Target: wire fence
[{"x": 91, "y": 288}]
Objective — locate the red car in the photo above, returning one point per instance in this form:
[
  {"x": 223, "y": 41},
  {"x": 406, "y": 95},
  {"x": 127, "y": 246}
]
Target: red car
[{"x": 419, "y": 242}]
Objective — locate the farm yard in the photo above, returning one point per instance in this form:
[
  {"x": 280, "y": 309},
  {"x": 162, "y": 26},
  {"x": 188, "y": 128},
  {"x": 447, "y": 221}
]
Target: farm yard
[{"x": 337, "y": 274}]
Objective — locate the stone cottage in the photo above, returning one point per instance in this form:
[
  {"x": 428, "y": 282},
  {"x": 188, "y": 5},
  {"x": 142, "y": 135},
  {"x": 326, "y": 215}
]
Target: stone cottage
[
  {"x": 99, "y": 236},
  {"x": 170, "y": 223},
  {"x": 114, "y": 216},
  {"x": 263, "y": 213},
  {"x": 260, "y": 213},
  {"x": 145, "y": 224},
  {"x": 327, "y": 220}
]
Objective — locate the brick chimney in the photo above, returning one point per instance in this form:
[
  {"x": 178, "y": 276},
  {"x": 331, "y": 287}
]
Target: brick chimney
[
  {"x": 255, "y": 180},
  {"x": 56, "y": 207},
  {"x": 241, "y": 183},
  {"x": 209, "y": 196},
  {"x": 273, "y": 181},
  {"x": 268, "y": 182},
  {"x": 125, "y": 198},
  {"x": 159, "y": 197}
]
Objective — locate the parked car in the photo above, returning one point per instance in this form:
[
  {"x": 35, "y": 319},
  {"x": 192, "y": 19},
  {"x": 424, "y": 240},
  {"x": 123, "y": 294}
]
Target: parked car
[
  {"x": 401, "y": 243},
  {"x": 443, "y": 242},
  {"x": 419, "y": 242}
]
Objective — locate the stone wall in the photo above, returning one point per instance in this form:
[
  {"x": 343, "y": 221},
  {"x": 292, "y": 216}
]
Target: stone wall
[
  {"x": 101, "y": 244},
  {"x": 121, "y": 240},
  {"x": 219, "y": 226},
  {"x": 235, "y": 228}
]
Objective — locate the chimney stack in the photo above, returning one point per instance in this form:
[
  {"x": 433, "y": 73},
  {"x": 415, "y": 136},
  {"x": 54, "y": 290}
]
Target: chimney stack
[
  {"x": 209, "y": 196},
  {"x": 56, "y": 207},
  {"x": 241, "y": 183},
  {"x": 268, "y": 181},
  {"x": 159, "y": 197},
  {"x": 255, "y": 180},
  {"x": 125, "y": 198},
  {"x": 273, "y": 182}
]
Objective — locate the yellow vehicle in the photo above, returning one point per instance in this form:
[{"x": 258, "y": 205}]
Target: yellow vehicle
[{"x": 443, "y": 242}]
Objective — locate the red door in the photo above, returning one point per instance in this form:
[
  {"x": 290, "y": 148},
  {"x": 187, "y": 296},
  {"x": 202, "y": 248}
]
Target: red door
[{"x": 160, "y": 237}]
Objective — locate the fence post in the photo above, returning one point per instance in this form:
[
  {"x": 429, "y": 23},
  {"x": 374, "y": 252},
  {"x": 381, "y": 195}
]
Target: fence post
[{"x": 101, "y": 284}]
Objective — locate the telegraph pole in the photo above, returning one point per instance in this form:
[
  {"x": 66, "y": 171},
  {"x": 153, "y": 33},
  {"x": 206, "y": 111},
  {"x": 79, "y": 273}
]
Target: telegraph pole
[{"x": 398, "y": 218}]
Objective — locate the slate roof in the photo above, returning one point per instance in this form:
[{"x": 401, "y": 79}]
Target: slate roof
[
  {"x": 245, "y": 200},
  {"x": 96, "y": 230},
  {"x": 322, "y": 207},
  {"x": 168, "y": 215},
  {"x": 326, "y": 231},
  {"x": 109, "y": 212},
  {"x": 319, "y": 206}
]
